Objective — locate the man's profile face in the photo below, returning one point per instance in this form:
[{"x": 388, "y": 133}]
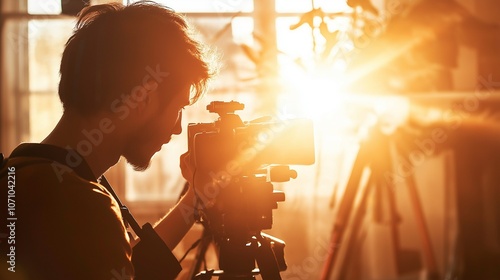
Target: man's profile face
[{"x": 156, "y": 130}]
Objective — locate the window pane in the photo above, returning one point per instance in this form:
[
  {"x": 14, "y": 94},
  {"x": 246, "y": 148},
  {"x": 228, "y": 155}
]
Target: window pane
[
  {"x": 46, "y": 44},
  {"x": 286, "y": 38},
  {"x": 45, "y": 7},
  {"x": 45, "y": 111},
  {"x": 227, "y": 34}
]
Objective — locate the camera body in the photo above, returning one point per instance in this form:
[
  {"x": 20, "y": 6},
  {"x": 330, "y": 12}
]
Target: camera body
[{"x": 238, "y": 147}]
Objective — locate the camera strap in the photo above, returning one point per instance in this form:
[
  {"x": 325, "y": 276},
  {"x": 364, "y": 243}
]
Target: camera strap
[
  {"x": 152, "y": 259},
  {"x": 128, "y": 219}
]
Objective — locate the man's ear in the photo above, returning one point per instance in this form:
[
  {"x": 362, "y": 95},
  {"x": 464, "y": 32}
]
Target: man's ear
[
  {"x": 150, "y": 85},
  {"x": 145, "y": 95}
]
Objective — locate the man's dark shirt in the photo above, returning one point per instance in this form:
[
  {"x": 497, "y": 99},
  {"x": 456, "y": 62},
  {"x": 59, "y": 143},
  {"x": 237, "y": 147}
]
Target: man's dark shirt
[{"x": 66, "y": 227}]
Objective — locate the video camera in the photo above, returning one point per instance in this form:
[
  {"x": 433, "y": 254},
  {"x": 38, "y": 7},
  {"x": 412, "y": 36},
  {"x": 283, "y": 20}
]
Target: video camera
[
  {"x": 242, "y": 159},
  {"x": 233, "y": 145}
]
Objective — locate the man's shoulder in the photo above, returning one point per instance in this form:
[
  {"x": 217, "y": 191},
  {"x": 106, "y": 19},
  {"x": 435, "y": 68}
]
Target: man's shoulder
[
  {"x": 29, "y": 169},
  {"x": 51, "y": 176},
  {"x": 11, "y": 166}
]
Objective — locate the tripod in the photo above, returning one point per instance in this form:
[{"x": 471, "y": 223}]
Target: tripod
[{"x": 374, "y": 154}]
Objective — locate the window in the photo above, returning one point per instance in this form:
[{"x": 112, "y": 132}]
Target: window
[{"x": 240, "y": 30}]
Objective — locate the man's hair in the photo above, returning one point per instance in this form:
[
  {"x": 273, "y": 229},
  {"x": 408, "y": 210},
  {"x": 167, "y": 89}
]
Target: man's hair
[{"x": 114, "y": 47}]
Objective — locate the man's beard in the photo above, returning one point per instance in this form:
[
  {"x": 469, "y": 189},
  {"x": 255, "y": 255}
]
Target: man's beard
[
  {"x": 139, "y": 167},
  {"x": 139, "y": 161}
]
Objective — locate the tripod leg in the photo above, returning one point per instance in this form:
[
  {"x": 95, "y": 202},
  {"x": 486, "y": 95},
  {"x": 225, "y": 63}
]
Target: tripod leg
[
  {"x": 206, "y": 239},
  {"x": 266, "y": 261},
  {"x": 428, "y": 252},
  {"x": 394, "y": 220},
  {"x": 355, "y": 228},
  {"x": 429, "y": 258},
  {"x": 381, "y": 188},
  {"x": 362, "y": 160}
]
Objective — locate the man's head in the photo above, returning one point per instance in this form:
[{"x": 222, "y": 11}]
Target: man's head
[{"x": 120, "y": 57}]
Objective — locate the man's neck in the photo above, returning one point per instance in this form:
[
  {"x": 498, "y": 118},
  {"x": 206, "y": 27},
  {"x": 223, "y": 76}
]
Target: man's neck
[{"x": 91, "y": 137}]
